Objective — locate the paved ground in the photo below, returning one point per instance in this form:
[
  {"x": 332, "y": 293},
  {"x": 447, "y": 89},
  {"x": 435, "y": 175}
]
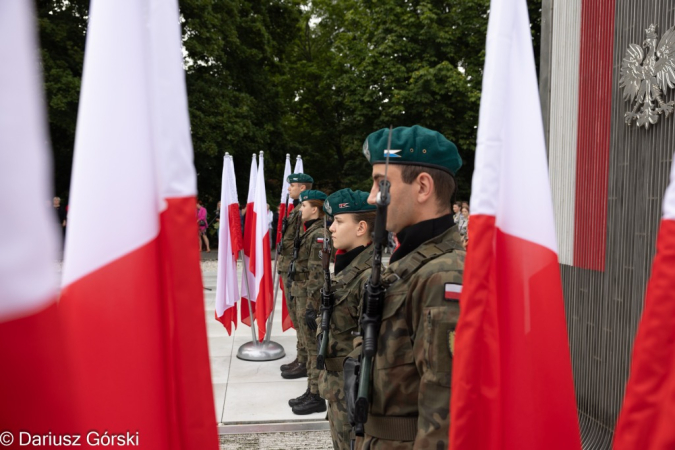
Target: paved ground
[{"x": 245, "y": 391}]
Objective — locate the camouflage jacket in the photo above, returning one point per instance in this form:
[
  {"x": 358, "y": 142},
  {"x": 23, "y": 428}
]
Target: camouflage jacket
[
  {"x": 287, "y": 242},
  {"x": 348, "y": 288},
  {"x": 308, "y": 270},
  {"x": 413, "y": 366}
]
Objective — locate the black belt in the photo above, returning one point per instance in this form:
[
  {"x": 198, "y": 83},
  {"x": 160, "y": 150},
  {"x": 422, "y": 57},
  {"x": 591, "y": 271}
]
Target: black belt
[{"x": 392, "y": 428}]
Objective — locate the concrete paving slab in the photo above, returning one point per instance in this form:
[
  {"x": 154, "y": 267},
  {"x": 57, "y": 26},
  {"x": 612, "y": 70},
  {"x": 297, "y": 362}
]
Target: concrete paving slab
[
  {"x": 220, "y": 346},
  {"x": 220, "y": 369},
  {"x": 264, "y": 402},
  {"x": 219, "y": 390}
]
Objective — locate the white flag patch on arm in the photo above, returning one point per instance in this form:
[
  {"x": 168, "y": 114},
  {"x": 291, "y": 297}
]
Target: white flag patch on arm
[{"x": 453, "y": 291}]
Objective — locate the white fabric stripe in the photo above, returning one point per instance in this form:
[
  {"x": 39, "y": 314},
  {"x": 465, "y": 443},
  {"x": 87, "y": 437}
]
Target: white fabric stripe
[
  {"x": 563, "y": 121},
  {"x": 285, "y": 184},
  {"x": 299, "y": 167},
  {"x": 172, "y": 140},
  {"x": 261, "y": 228},
  {"x": 453, "y": 288},
  {"x": 114, "y": 200},
  {"x": 246, "y": 272},
  {"x": 227, "y": 292},
  {"x": 28, "y": 224},
  {"x": 669, "y": 199}
]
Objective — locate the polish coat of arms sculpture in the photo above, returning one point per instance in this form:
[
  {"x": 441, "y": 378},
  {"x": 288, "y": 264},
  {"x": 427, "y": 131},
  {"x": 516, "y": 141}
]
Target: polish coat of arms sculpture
[{"x": 646, "y": 79}]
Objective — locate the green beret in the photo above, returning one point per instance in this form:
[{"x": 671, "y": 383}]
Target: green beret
[
  {"x": 300, "y": 178},
  {"x": 347, "y": 201},
  {"x": 312, "y": 195},
  {"x": 415, "y": 145}
]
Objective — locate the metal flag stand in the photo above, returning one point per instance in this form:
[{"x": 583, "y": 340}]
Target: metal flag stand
[{"x": 254, "y": 350}]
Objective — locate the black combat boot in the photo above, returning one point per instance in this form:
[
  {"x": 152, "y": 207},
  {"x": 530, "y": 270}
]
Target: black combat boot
[
  {"x": 298, "y": 371},
  {"x": 297, "y": 400},
  {"x": 285, "y": 367},
  {"x": 313, "y": 404}
]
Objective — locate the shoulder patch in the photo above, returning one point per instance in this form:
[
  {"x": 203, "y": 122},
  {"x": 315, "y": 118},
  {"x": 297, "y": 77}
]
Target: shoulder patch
[
  {"x": 452, "y": 292},
  {"x": 319, "y": 240}
]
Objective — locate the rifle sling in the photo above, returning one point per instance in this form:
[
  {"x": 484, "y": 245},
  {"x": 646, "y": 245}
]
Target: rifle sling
[{"x": 392, "y": 428}]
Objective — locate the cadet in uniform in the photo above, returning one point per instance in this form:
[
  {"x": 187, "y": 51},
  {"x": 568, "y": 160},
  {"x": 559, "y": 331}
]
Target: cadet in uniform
[
  {"x": 410, "y": 390},
  {"x": 298, "y": 182},
  {"x": 353, "y": 220},
  {"x": 306, "y": 292}
]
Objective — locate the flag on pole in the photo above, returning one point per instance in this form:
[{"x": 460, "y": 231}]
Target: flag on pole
[
  {"x": 646, "y": 418},
  {"x": 227, "y": 291},
  {"x": 261, "y": 256},
  {"x": 512, "y": 382},
  {"x": 133, "y": 301},
  {"x": 34, "y": 380},
  {"x": 247, "y": 278},
  {"x": 299, "y": 167},
  {"x": 284, "y": 210}
]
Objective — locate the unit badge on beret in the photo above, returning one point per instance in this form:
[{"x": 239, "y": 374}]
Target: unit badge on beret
[
  {"x": 366, "y": 151},
  {"x": 327, "y": 207},
  {"x": 343, "y": 205}
]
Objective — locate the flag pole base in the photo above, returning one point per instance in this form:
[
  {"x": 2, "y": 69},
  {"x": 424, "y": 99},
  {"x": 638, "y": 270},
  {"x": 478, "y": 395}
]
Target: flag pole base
[{"x": 261, "y": 351}]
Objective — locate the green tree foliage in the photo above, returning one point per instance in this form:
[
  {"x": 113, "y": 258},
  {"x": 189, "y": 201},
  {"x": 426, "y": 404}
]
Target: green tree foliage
[{"x": 300, "y": 77}]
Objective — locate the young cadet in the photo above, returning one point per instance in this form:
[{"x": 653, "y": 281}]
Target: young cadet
[
  {"x": 410, "y": 385},
  {"x": 353, "y": 220},
  {"x": 306, "y": 291},
  {"x": 298, "y": 182}
]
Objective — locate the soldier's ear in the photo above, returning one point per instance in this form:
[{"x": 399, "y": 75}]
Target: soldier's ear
[
  {"x": 362, "y": 228},
  {"x": 424, "y": 188}
]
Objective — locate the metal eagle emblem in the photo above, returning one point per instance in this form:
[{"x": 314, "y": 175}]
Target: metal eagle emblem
[{"x": 646, "y": 79}]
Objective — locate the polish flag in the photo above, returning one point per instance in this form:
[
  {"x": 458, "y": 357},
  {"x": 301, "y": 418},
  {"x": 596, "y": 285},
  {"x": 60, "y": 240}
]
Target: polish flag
[
  {"x": 248, "y": 279},
  {"x": 286, "y": 321},
  {"x": 132, "y": 297},
  {"x": 512, "y": 382},
  {"x": 34, "y": 380},
  {"x": 646, "y": 418},
  {"x": 261, "y": 256},
  {"x": 227, "y": 291}
]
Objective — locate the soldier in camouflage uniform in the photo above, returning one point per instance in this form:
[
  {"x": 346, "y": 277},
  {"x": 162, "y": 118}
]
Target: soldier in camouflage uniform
[
  {"x": 351, "y": 236},
  {"x": 306, "y": 292},
  {"x": 298, "y": 182},
  {"x": 410, "y": 384}
]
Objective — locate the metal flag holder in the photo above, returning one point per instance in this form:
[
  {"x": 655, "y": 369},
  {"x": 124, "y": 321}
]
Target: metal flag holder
[{"x": 266, "y": 350}]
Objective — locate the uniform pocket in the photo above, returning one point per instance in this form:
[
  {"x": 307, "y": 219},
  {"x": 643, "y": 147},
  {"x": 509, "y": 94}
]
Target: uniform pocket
[
  {"x": 394, "y": 344},
  {"x": 439, "y": 328}
]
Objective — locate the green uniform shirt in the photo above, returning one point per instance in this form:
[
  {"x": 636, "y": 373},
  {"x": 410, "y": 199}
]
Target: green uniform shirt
[
  {"x": 287, "y": 242},
  {"x": 413, "y": 366}
]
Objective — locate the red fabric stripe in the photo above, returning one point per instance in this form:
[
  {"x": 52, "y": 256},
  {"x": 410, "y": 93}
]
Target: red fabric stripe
[
  {"x": 249, "y": 229},
  {"x": 234, "y": 218},
  {"x": 35, "y": 394},
  {"x": 265, "y": 292},
  {"x": 185, "y": 344},
  {"x": 512, "y": 358},
  {"x": 228, "y": 318},
  {"x": 593, "y": 139},
  {"x": 286, "y": 321},
  {"x": 646, "y": 419},
  {"x": 113, "y": 320},
  {"x": 452, "y": 295}
]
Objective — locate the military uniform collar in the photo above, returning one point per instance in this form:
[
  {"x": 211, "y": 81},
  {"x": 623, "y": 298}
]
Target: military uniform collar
[
  {"x": 343, "y": 260},
  {"x": 415, "y": 235},
  {"x": 309, "y": 223}
]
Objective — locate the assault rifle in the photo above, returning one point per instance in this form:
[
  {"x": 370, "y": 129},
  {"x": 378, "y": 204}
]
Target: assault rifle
[
  {"x": 296, "y": 250},
  {"x": 373, "y": 301},
  {"x": 327, "y": 299},
  {"x": 284, "y": 226}
]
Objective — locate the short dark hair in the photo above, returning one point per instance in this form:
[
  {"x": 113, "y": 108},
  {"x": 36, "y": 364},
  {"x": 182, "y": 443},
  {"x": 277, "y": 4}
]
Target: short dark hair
[
  {"x": 444, "y": 183},
  {"x": 307, "y": 186},
  {"x": 368, "y": 217}
]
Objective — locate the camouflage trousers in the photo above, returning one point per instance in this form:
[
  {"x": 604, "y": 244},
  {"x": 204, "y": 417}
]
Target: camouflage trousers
[
  {"x": 300, "y": 348},
  {"x": 308, "y": 338},
  {"x": 340, "y": 430}
]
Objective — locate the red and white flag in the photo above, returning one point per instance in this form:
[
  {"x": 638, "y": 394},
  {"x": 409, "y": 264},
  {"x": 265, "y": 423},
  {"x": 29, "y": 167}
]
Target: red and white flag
[
  {"x": 247, "y": 278},
  {"x": 285, "y": 208},
  {"x": 34, "y": 380},
  {"x": 512, "y": 382},
  {"x": 261, "y": 256},
  {"x": 230, "y": 243},
  {"x": 646, "y": 418},
  {"x": 132, "y": 295}
]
